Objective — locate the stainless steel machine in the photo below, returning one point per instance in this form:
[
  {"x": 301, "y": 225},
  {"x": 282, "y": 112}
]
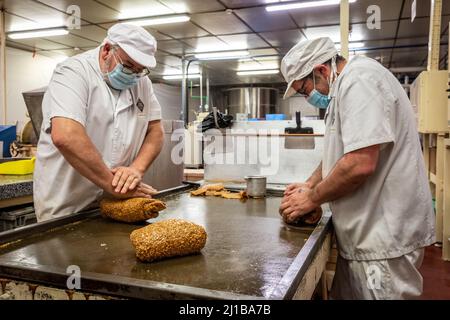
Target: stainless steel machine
[{"x": 256, "y": 102}]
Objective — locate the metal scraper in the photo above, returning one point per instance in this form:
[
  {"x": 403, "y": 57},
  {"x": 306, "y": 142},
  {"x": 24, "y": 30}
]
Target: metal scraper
[{"x": 298, "y": 137}]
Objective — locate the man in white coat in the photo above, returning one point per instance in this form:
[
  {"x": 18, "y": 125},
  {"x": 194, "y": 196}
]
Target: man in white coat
[
  {"x": 372, "y": 173},
  {"x": 101, "y": 125}
]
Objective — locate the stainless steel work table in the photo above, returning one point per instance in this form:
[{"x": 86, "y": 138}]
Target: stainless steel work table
[{"x": 250, "y": 253}]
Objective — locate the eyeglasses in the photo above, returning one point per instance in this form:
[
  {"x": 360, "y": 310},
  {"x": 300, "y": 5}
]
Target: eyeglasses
[
  {"x": 301, "y": 91},
  {"x": 130, "y": 69}
]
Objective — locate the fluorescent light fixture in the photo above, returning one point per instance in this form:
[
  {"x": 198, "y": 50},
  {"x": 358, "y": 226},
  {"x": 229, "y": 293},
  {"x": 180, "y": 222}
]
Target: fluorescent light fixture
[
  {"x": 38, "y": 33},
  {"x": 303, "y": 5},
  {"x": 222, "y": 55},
  {"x": 158, "y": 20},
  {"x": 257, "y": 72},
  {"x": 351, "y": 45},
  {"x": 180, "y": 76}
]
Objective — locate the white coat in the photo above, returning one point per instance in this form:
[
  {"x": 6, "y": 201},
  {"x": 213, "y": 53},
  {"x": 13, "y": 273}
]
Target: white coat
[
  {"x": 117, "y": 127},
  {"x": 391, "y": 214}
]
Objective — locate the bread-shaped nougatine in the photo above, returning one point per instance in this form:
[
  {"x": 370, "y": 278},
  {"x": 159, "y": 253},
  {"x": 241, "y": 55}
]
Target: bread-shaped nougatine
[
  {"x": 168, "y": 238},
  {"x": 131, "y": 210}
]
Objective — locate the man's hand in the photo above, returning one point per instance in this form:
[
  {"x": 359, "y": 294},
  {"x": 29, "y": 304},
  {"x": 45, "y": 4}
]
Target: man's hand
[
  {"x": 292, "y": 188},
  {"x": 297, "y": 204},
  {"x": 141, "y": 191},
  {"x": 125, "y": 179}
]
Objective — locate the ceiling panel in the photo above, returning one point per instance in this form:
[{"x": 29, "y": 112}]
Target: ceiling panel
[
  {"x": 360, "y": 32},
  {"x": 137, "y": 8},
  {"x": 155, "y": 33},
  {"x": 412, "y": 41},
  {"x": 91, "y": 32},
  {"x": 40, "y": 43},
  {"x": 316, "y": 16},
  {"x": 283, "y": 39},
  {"x": 246, "y": 41},
  {"x": 260, "y": 20},
  {"x": 181, "y": 30},
  {"x": 13, "y": 23},
  {"x": 18, "y": 45},
  {"x": 174, "y": 47},
  {"x": 423, "y": 8},
  {"x": 389, "y": 9},
  {"x": 206, "y": 44},
  {"x": 73, "y": 41},
  {"x": 419, "y": 28},
  {"x": 193, "y": 6},
  {"x": 35, "y": 15},
  {"x": 69, "y": 52},
  {"x": 263, "y": 52},
  {"x": 220, "y": 23},
  {"x": 90, "y": 10},
  {"x": 170, "y": 61},
  {"x": 243, "y": 3}
]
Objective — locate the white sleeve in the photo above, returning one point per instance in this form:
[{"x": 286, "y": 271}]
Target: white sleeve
[
  {"x": 154, "y": 110},
  {"x": 67, "y": 94},
  {"x": 365, "y": 107}
]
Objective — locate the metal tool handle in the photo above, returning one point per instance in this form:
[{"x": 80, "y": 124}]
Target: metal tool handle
[{"x": 298, "y": 118}]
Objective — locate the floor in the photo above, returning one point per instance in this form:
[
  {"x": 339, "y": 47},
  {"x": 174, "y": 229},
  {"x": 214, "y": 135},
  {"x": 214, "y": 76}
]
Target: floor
[{"x": 436, "y": 275}]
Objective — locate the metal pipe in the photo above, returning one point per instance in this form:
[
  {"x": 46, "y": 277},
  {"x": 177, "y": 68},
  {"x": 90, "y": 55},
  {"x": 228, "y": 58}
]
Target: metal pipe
[
  {"x": 186, "y": 95},
  {"x": 3, "y": 63},
  {"x": 200, "y": 108},
  {"x": 435, "y": 35},
  {"x": 207, "y": 95},
  {"x": 345, "y": 26},
  {"x": 183, "y": 91}
]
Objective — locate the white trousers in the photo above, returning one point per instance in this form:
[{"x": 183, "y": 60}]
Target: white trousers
[{"x": 390, "y": 279}]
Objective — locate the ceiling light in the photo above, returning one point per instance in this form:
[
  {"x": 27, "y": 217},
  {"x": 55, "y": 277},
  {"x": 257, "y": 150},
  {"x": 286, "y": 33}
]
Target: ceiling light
[
  {"x": 257, "y": 72},
  {"x": 180, "y": 76},
  {"x": 351, "y": 45},
  {"x": 302, "y": 5},
  {"x": 158, "y": 20},
  {"x": 38, "y": 33},
  {"x": 222, "y": 55}
]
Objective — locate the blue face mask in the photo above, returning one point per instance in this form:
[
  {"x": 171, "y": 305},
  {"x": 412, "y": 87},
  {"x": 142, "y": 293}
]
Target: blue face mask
[
  {"x": 120, "y": 80},
  {"x": 318, "y": 100}
]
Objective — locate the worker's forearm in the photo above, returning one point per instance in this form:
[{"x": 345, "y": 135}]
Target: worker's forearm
[
  {"x": 316, "y": 177},
  {"x": 84, "y": 157},
  {"x": 150, "y": 149},
  {"x": 343, "y": 179}
]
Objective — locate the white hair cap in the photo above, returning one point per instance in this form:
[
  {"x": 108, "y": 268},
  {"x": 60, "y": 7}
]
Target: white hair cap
[{"x": 303, "y": 57}]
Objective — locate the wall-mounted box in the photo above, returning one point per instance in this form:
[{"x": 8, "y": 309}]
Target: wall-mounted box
[{"x": 429, "y": 95}]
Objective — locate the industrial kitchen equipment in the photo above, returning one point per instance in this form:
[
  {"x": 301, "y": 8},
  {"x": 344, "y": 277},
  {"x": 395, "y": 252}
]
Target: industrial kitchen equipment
[{"x": 256, "y": 102}]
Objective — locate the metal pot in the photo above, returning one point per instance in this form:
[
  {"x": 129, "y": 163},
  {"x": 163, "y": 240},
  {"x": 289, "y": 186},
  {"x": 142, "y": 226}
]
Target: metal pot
[{"x": 256, "y": 186}]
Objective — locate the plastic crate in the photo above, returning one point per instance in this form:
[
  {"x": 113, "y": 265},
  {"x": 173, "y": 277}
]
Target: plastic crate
[
  {"x": 16, "y": 218},
  {"x": 7, "y": 136}
]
